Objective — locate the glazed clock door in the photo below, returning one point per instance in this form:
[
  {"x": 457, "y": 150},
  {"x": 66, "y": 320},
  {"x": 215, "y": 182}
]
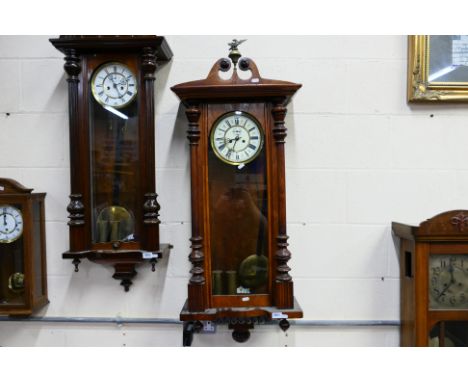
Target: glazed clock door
[
  {"x": 448, "y": 297},
  {"x": 114, "y": 156},
  {"x": 238, "y": 205}
]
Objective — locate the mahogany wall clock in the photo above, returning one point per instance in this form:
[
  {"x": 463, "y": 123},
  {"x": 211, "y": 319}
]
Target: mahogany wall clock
[
  {"x": 434, "y": 280},
  {"x": 113, "y": 210},
  {"x": 239, "y": 245},
  {"x": 23, "y": 271}
]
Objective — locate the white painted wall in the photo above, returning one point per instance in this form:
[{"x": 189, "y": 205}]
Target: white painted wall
[{"x": 358, "y": 157}]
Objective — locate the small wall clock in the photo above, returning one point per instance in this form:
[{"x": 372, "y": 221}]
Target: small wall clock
[
  {"x": 434, "y": 280},
  {"x": 23, "y": 271},
  {"x": 239, "y": 256},
  {"x": 113, "y": 210}
]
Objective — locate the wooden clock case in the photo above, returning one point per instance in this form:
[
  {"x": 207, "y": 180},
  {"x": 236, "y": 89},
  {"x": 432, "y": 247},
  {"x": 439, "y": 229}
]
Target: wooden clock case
[
  {"x": 205, "y": 101},
  {"x": 446, "y": 233},
  {"x": 26, "y": 255},
  {"x": 83, "y": 54}
]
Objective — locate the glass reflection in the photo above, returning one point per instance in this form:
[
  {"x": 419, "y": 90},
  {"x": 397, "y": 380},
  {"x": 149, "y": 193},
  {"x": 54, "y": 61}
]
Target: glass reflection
[
  {"x": 448, "y": 58},
  {"x": 239, "y": 238},
  {"x": 115, "y": 172}
]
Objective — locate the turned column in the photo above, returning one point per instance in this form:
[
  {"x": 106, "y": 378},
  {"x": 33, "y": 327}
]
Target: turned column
[
  {"x": 196, "y": 288},
  {"x": 75, "y": 208},
  {"x": 283, "y": 295},
  {"x": 150, "y": 204}
]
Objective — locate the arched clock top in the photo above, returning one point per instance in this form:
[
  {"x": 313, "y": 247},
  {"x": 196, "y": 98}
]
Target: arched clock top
[
  {"x": 10, "y": 186},
  {"x": 214, "y": 86}
]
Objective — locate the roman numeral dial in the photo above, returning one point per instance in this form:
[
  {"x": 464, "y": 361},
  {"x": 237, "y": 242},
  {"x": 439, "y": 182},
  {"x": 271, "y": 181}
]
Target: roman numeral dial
[
  {"x": 114, "y": 84},
  {"x": 11, "y": 224},
  {"x": 237, "y": 138}
]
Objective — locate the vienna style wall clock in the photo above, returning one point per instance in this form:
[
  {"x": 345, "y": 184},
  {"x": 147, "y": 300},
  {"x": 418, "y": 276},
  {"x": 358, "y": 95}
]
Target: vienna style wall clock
[
  {"x": 113, "y": 210},
  {"x": 23, "y": 272},
  {"x": 434, "y": 280},
  {"x": 239, "y": 245}
]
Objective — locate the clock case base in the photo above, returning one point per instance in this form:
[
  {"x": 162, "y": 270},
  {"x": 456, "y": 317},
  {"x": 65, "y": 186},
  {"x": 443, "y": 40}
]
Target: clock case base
[
  {"x": 445, "y": 233},
  {"x": 125, "y": 267},
  {"x": 240, "y": 320}
]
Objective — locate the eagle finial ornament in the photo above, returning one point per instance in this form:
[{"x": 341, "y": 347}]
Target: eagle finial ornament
[
  {"x": 235, "y": 43},
  {"x": 234, "y": 53}
]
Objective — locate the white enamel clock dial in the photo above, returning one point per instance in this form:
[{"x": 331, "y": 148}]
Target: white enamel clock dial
[
  {"x": 114, "y": 84},
  {"x": 11, "y": 224},
  {"x": 237, "y": 138}
]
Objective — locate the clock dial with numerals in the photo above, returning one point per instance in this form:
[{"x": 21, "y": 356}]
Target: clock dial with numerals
[
  {"x": 237, "y": 138},
  {"x": 448, "y": 281},
  {"x": 11, "y": 224},
  {"x": 114, "y": 84}
]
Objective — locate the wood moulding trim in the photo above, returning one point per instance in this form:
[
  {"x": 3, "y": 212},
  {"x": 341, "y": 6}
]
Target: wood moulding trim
[
  {"x": 215, "y": 88},
  {"x": 10, "y": 186},
  {"x": 102, "y": 43}
]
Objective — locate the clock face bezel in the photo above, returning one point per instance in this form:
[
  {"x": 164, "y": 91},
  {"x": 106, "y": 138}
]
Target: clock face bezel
[
  {"x": 18, "y": 234},
  {"x": 94, "y": 90},
  {"x": 445, "y": 278},
  {"x": 218, "y": 123}
]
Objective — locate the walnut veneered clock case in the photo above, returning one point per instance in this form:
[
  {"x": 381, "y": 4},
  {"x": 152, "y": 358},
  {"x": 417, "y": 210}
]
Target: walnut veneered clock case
[
  {"x": 239, "y": 245},
  {"x": 113, "y": 210},
  {"x": 434, "y": 280},
  {"x": 23, "y": 272}
]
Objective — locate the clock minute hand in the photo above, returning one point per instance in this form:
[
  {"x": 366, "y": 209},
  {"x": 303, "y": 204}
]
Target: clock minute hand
[
  {"x": 117, "y": 89},
  {"x": 452, "y": 281},
  {"x": 237, "y": 139}
]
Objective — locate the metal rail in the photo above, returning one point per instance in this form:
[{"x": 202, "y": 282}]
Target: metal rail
[{"x": 173, "y": 321}]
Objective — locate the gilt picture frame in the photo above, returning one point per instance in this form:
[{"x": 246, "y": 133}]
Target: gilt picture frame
[{"x": 438, "y": 68}]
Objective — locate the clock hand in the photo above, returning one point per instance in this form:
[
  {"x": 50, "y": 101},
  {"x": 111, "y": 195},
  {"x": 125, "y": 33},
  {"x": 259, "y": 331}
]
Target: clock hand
[
  {"x": 117, "y": 89},
  {"x": 452, "y": 281},
  {"x": 237, "y": 140},
  {"x": 232, "y": 139}
]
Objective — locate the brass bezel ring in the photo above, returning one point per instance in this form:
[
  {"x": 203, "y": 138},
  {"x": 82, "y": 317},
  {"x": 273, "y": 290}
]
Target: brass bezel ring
[
  {"x": 93, "y": 88},
  {"x": 245, "y": 115}
]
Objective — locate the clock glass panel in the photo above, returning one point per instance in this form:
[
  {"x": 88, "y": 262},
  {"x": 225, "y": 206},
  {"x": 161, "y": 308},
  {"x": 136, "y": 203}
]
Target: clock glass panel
[
  {"x": 11, "y": 258},
  {"x": 115, "y": 201},
  {"x": 238, "y": 204},
  {"x": 39, "y": 281},
  {"x": 448, "y": 281},
  {"x": 449, "y": 333}
]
